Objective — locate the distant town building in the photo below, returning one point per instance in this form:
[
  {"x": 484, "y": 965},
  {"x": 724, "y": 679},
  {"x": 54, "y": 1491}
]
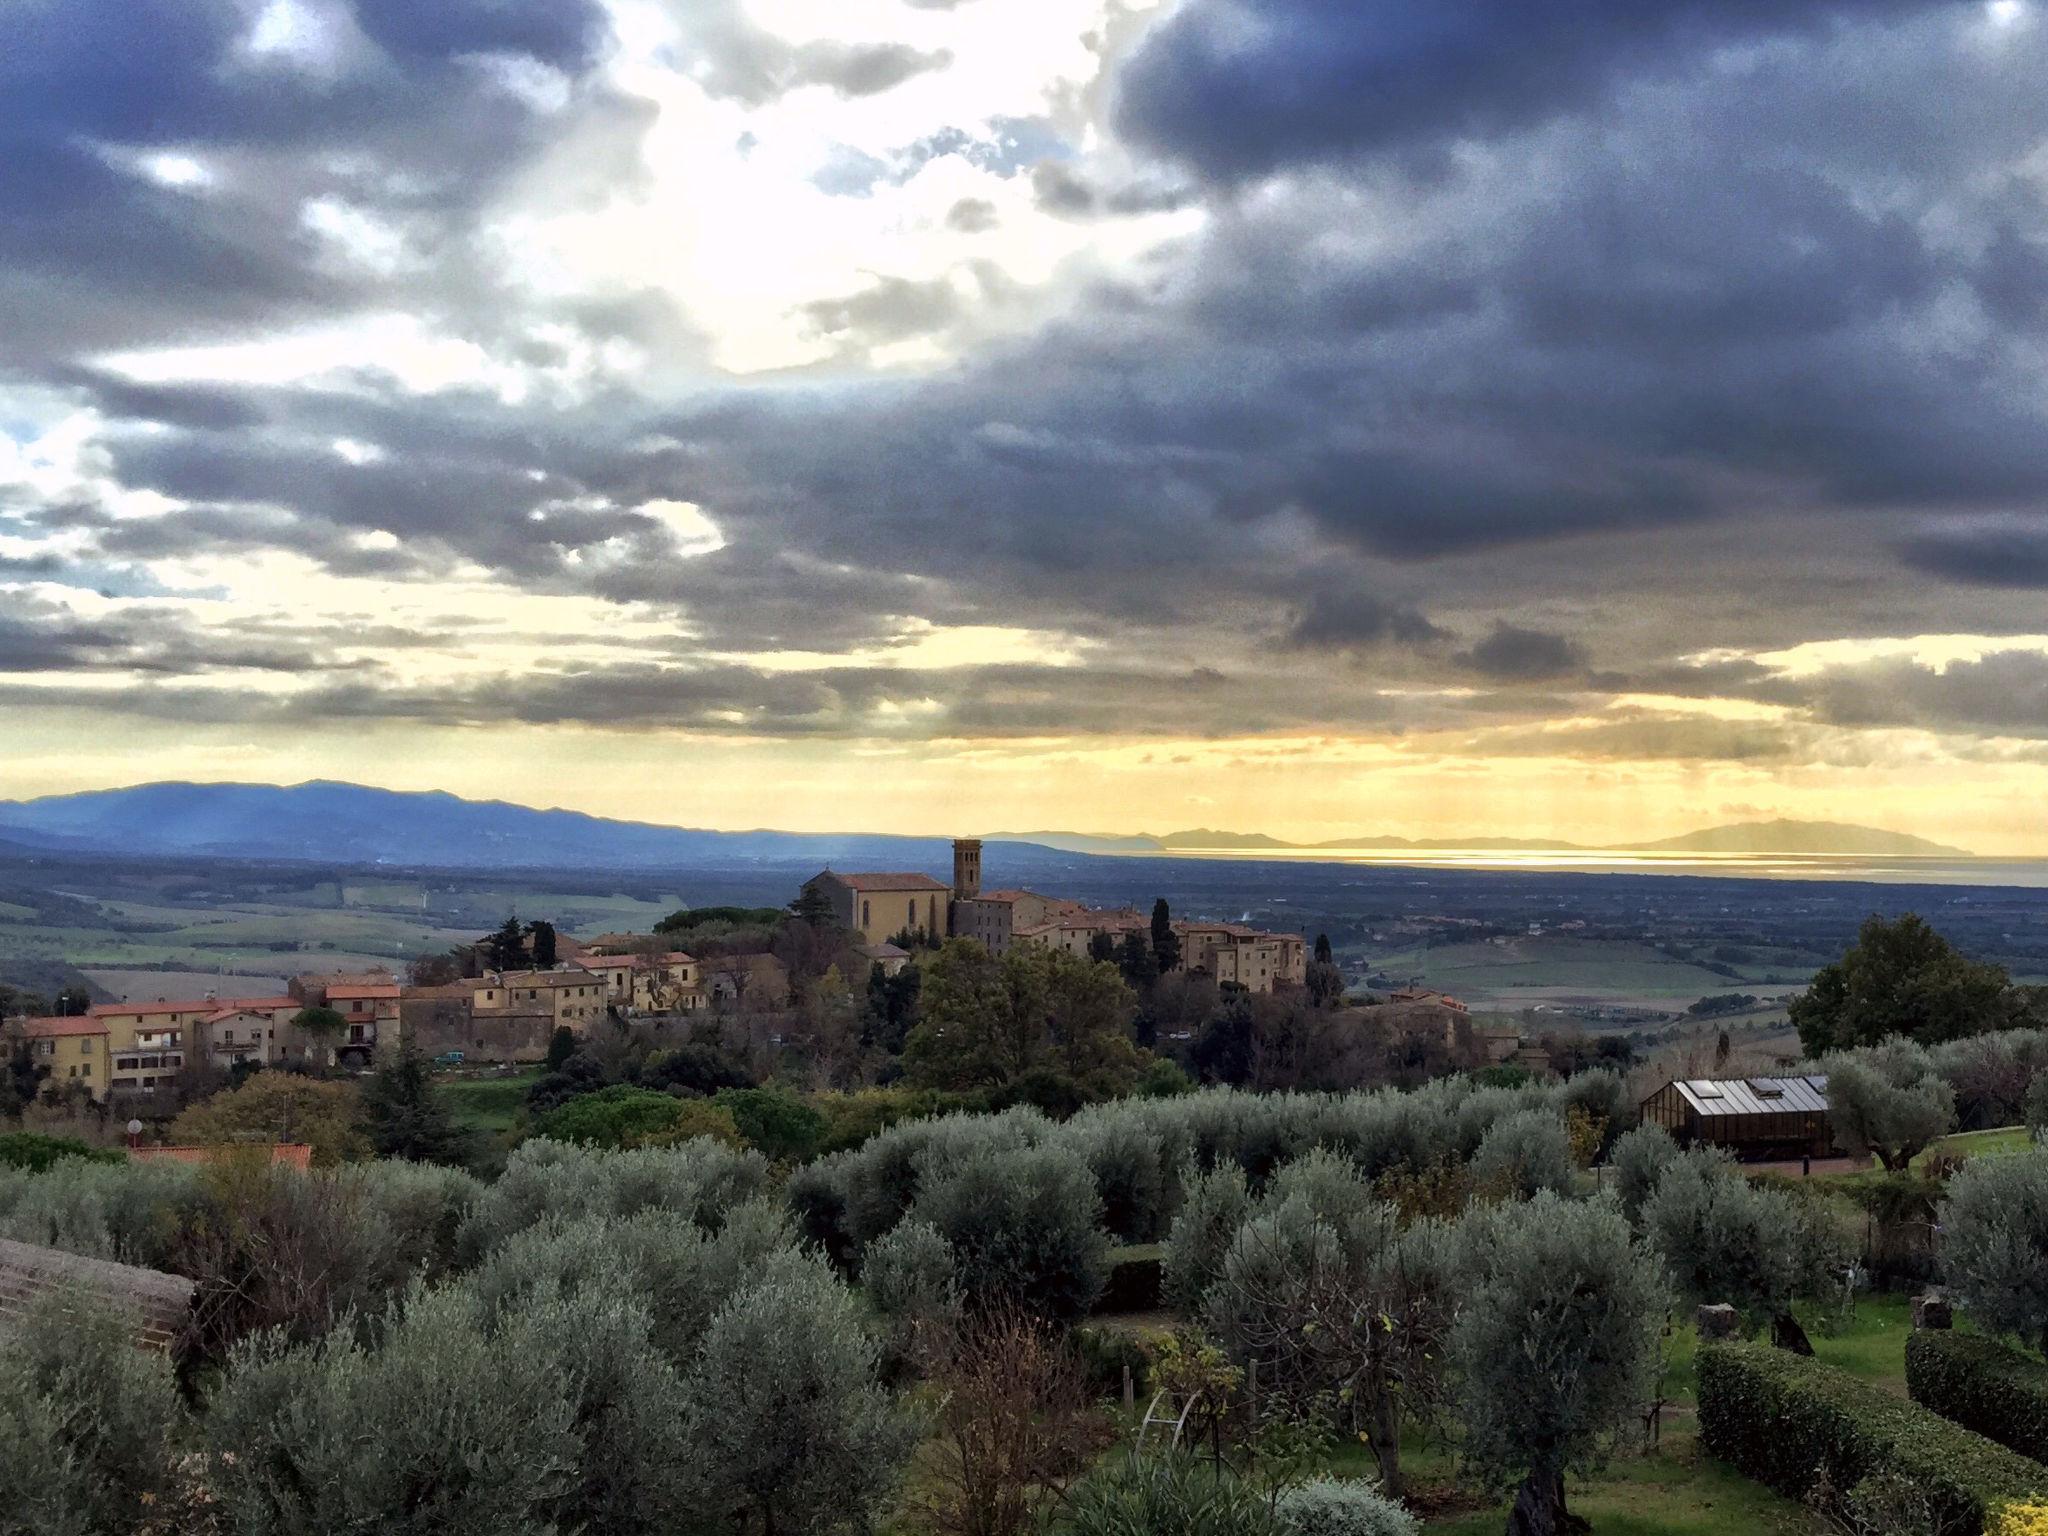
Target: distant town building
[
  {"x": 74, "y": 1049},
  {"x": 879, "y": 905}
]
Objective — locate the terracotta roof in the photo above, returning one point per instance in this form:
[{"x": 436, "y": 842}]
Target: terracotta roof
[
  {"x": 890, "y": 882},
  {"x": 192, "y": 1005},
  {"x": 53, "y": 1028},
  {"x": 576, "y": 978},
  {"x": 365, "y": 989},
  {"x": 228, "y": 1013}
]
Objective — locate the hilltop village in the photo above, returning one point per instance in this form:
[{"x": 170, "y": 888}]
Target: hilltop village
[{"x": 749, "y": 979}]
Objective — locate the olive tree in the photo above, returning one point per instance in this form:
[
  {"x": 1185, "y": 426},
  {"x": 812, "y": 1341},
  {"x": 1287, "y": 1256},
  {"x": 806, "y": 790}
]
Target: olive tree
[
  {"x": 1025, "y": 1230},
  {"x": 1525, "y": 1152},
  {"x": 793, "y": 1429},
  {"x": 1994, "y": 1243},
  {"x": 1555, "y": 1345},
  {"x": 1639, "y": 1162},
  {"x": 1338, "y": 1302},
  {"x": 87, "y": 1422},
  {"x": 1723, "y": 1240},
  {"x": 1889, "y": 1100},
  {"x": 1214, "y": 1206}
]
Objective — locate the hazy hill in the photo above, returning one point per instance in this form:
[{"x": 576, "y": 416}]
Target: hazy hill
[
  {"x": 349, "y": 823},
  {"x": 1830, "y": 837},
  {"x": 352, "y": 824}
]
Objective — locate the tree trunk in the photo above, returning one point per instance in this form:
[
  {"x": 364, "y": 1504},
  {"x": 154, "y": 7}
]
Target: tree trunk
[
  {"x": 1787, "y": 1334},
  {"x": 1539, "y": 1508},
  {"x": 1385, "y": 1431}
]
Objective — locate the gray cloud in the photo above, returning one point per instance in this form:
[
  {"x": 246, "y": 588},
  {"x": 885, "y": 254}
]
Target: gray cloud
[
  {"x": 1991, "y": 552},
  {"x": 1510, "y": 653}
]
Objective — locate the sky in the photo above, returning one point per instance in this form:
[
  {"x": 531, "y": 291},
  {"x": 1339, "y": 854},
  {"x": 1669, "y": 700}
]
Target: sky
[{"x": 1322, "y": 417}]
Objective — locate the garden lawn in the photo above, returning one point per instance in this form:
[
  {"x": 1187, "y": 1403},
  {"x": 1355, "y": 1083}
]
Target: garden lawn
[
  {"x": 1673, "y": 1491},
  {"x": 492, "y": 1104}
]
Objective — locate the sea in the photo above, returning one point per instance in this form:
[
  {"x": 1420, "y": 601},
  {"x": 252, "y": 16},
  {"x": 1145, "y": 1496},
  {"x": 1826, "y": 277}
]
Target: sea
[{"x": 1612, "y": 861}]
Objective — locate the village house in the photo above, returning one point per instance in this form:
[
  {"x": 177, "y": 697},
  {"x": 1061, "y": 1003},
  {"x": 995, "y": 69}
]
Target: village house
[
  {"x": 573, "y": 999},
  {"x": 659, "y": 983},
  {"x": 74, "y": 1049}
]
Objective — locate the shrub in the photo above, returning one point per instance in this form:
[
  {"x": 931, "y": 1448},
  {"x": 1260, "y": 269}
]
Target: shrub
[
  {"x": 786, "y": 1414},
  {"x": 1327, "y": 1506},
  {"x": 681, "y": 1275},
  {"x": 613, "y": 1118},
  {"x": 1024, "y": 1230},
  {"x": 1136, "y": 1281},
  {"x": 1983, "y": 1385},
  {"x": 1994, "y": 1242},
  {"x": 87, "y": 1420},
  {"x": 2036, "y": 1106},
  {"x": 1788, "y": 1421},
  {"x": 35, "y": 1152},
  {"x": 1105, "y": 1353},
  {"x": 132, "y": 1213},
  {"x": 1186, "y": 1495},
  {"x": 1526, "y": 1152},
  {"x": 779, "y": 1125},
  {"x": 909, "y": 1273}
]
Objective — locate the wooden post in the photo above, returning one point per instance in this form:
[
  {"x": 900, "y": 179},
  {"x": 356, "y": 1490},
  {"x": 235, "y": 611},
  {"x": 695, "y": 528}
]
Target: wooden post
[{"x": 1130, "y": 1391}]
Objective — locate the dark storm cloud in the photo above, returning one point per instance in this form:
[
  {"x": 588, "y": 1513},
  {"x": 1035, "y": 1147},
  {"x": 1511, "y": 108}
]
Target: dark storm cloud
[
  {"x": 1241, "y": 87},
  {"x": 38, "y": 636},
  {"x": 1343, "y": 617},
  {"x": 409, "y": 120},
  {"x": 1999, "y": 552},
  {"x": 1510, "y": 653}
]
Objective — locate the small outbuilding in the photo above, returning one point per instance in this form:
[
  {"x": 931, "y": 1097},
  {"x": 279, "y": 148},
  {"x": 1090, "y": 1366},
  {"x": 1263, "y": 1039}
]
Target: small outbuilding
[{"x": 1753, "y": 1117}]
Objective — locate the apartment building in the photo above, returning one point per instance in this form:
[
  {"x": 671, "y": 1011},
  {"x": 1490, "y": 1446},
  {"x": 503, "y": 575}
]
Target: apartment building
[
  {"x": 148, "y": 1042},
  {"x": 368, "y": 1004}
]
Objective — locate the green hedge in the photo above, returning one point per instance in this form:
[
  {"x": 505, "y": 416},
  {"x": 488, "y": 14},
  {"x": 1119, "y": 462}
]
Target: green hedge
[
  {"x": 1135, "y": 1280},
  {"x": 1983, "y": 1385},
  {"x": 1781, "y": 1418},
  {"x": 36, "y": 1152}
]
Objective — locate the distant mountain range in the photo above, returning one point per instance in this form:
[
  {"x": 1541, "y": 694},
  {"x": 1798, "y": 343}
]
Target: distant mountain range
[
  {"x": 329, "y": 822},
  {"x": 1838, "y": 838}
]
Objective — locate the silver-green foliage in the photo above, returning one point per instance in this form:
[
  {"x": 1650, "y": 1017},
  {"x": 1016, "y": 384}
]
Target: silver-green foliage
[
  {"x": 1638, "y": 1162},
  {"x": 1527, "y": 1151},
  {"x": 87, "y": 1423},
  {"x": 1723, "y": 1239},
  {"x": 1328, "y": 1506},
  {"x": 701, "y": 1179},
  {"x": 1556, "y": 1341},
  {"x": 909, "y": 1275},
  {"x": 447, "y": 1427},
  {"x": 1994, "y": 1243},
  {"x": 1215, "y": 1204},
  {"x": 793, "y": 1431},
  {"x": 1888, "y": 1099},
  {"x": 1024, "y": 1227},
  {"x": 131, "y": 1213}
]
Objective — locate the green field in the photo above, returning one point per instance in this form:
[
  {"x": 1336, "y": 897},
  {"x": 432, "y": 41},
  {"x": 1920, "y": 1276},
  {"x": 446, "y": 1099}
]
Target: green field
[
  {"x": 1485, "y": 970},
  {"x": 495, "y": 1104}
]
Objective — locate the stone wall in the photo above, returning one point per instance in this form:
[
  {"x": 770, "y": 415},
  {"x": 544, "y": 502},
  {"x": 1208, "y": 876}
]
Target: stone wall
[
  {"x": 158, "y": 1302},
  {"x": 440, "y": 1024}
]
